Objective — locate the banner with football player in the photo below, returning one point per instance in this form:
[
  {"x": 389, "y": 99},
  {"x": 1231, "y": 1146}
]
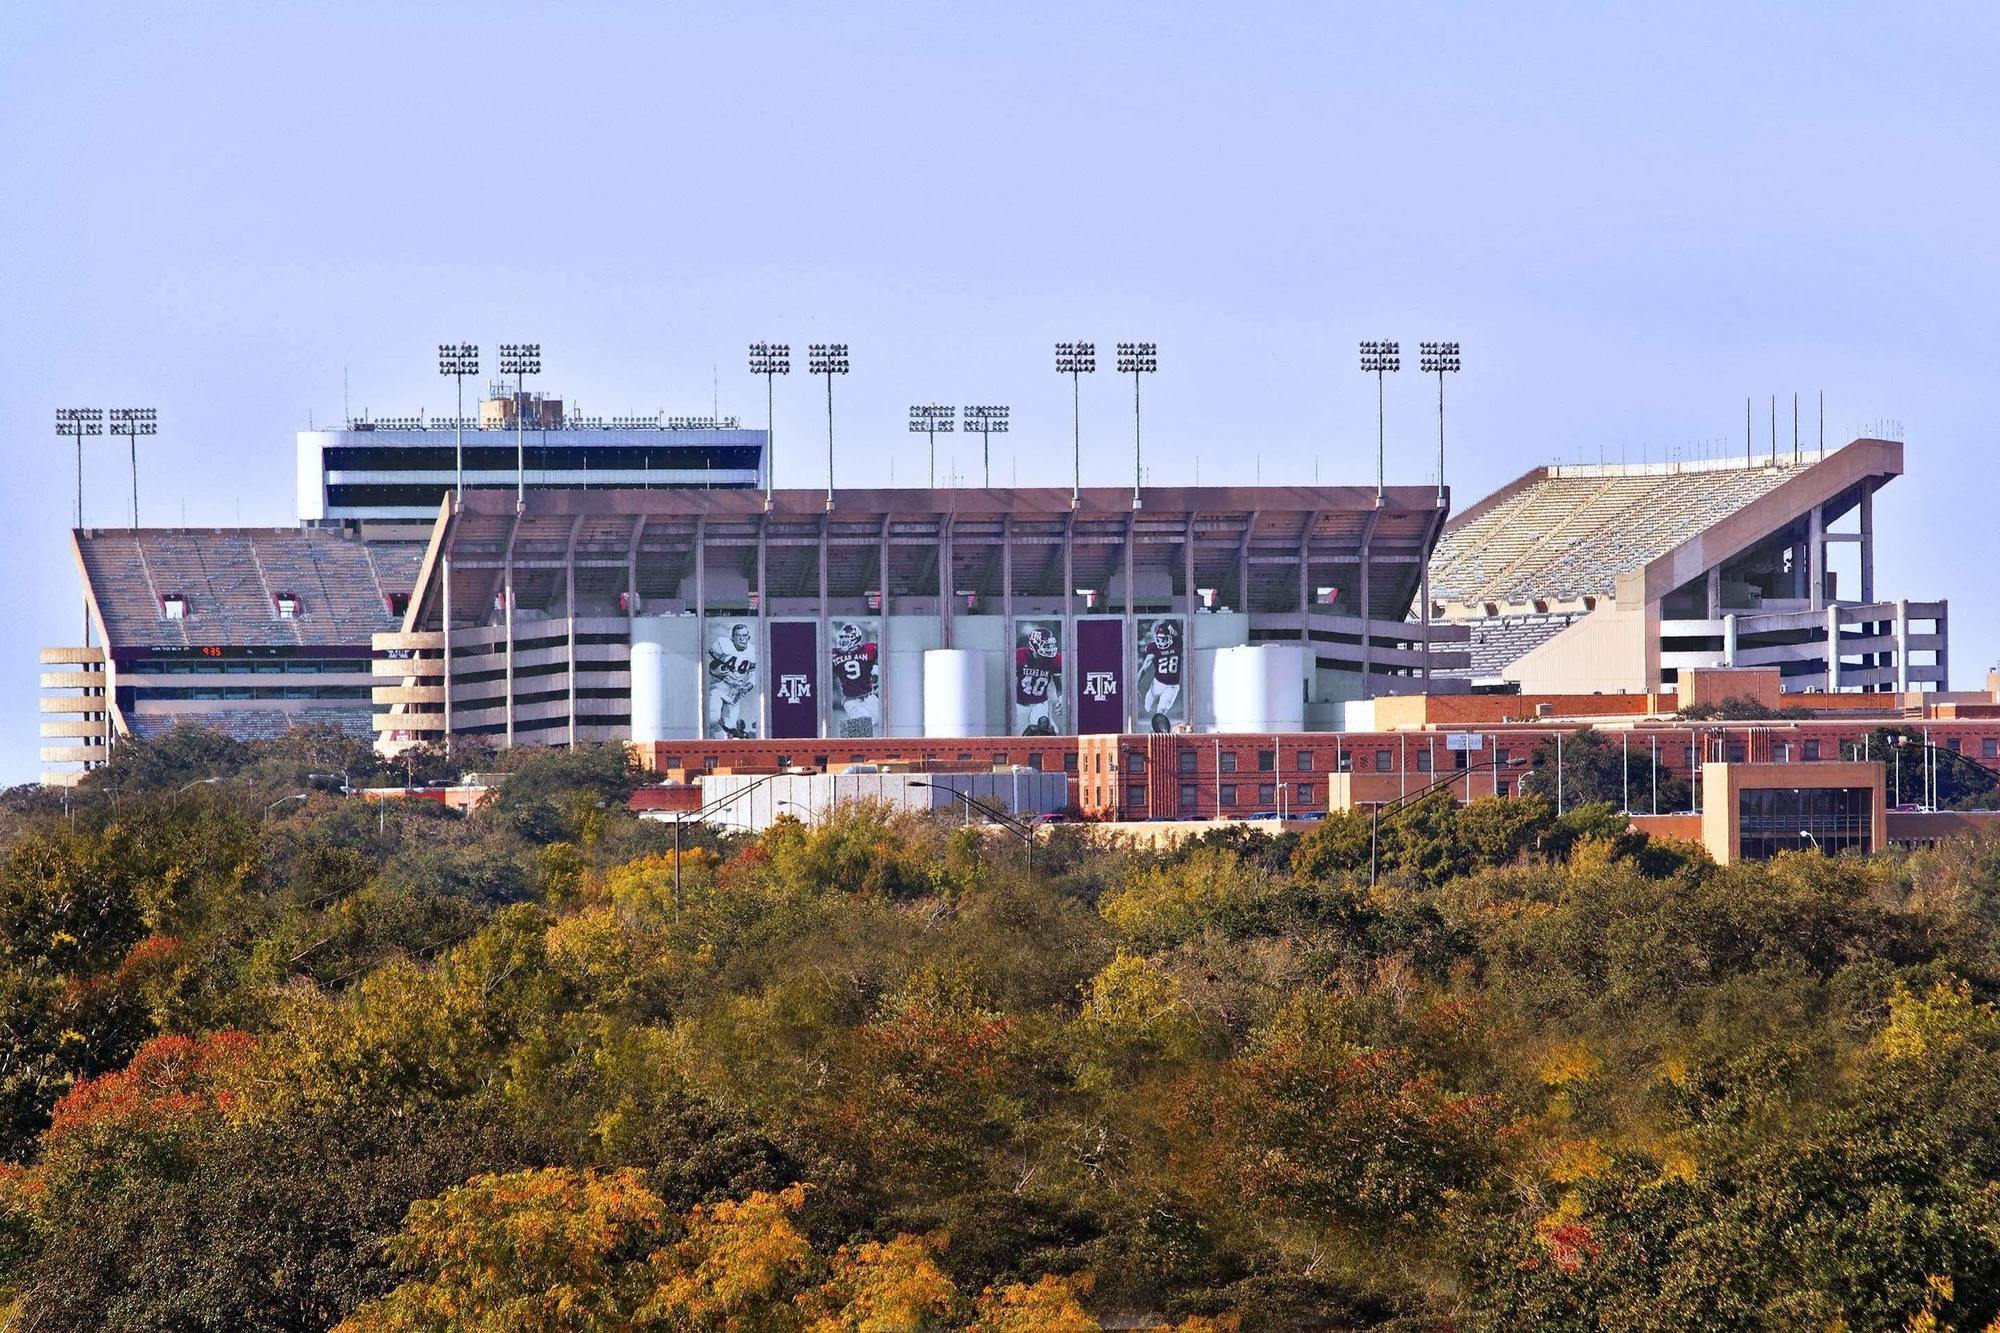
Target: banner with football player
[
  {"x": 1038, "y": 676},
  {"x": 730, "y": 677},
  {"x": 856, "y": 696},
  {"x": 794, "y": 678},
  {"x": 1162, "y": 661},
  {"x": 1100, "y": 676}
]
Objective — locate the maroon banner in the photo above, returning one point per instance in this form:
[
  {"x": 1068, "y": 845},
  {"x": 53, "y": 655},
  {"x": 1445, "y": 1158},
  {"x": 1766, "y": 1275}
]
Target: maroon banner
[
  {"x": 1100, "y": 677},
  {"x": 794, "y": 679}
]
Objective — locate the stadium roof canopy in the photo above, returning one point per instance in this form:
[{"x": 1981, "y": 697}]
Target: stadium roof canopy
[
  {"x": 241, "y": 587},
  {"x": 1257, "y": 545},
  {"x": 1561, "y": 535}
]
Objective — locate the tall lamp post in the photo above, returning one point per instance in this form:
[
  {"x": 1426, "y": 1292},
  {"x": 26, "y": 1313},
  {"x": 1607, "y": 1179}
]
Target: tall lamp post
[
  {"x": 78, "y": 422},
  {"x": 132, "y": 422},
  {"x": 1439, "y": 359},
  {"x": 988, "y": 421},
  {"x": 1136, "y": 359},
  {"x": 933, "y": 420},
  {"x": 458, "y": 361},
  {"x": 520, "y": 360},
  {"x": 770, "y": 360},
  {"x": 828, "y": 359},
  {"x": 1380, "y": 357},
  {"x": 1076, "y": 359}
]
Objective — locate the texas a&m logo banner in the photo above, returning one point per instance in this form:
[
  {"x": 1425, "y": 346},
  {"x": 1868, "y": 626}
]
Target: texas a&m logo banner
[
  {"x": 1100, "y": 677},
  {"x": 794, "y": 678}
]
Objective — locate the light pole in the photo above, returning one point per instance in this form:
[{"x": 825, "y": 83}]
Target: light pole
[
  {"x": 520, "y": 360},
  {"x": 1076, "y": 359},
  {"x": 933, "y": 420},
  {"x": 770, "y": 360},
  {"x": 458, "y": 361},
  {"x": 1439, "y": 359},
  {"x": 1381, "y": 357},
  {"x": 78, "y": 422},
  {"x": 828, "y": 359},
  {"x": 988, "y": 421},
  {"x": 1136, "y": 359},
  {"x": 132, "y": 422}
]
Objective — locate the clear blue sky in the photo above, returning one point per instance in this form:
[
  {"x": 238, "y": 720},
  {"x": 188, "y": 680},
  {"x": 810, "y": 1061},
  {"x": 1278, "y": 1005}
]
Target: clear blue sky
[{"x": 1632, "y": 217}]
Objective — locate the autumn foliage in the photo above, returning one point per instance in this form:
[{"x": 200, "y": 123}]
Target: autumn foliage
[{"x": 325, "y": 1065}]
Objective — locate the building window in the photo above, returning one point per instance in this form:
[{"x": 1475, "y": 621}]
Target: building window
[
  {"x": 1035, "y": 761},
  {"x": 1812, "y": 752},
  {"x": 1305, "y": 761},
  {"x": 1135, "y": 797},
  {"x": 1305, "y": 793},
  {"x": 1344, "y": 760},
  {"x": 819, "y": 762},
  {"x": 1135, "y": 763},
  {"x": 1827, "y": 819},
  {"x": 1228, "y": 796},
  {"x": 1228, "y": 761},
  {"x": 1951, "y": 743},
  {"x": 708, "y": 762},
  {"x": 1502, "y": 787},
  {"x": 1423, "y": 761},
  {"x": 1069, "y": 761},
  {"x": 1187, "y": 761},
  {"x": 1267, "y": 794},
  {"x": 1501, "y": 758},
  {"x": 784, "y": 761},
  {"x": 1989, "y": 748},
  {"x": 1187, "y": 797},
  {"x": 1381, "y": 761},
  {"x": 1736, "y": 752},
  {"x": 1000, "y": 757},
  {"x": 1267, "y": 761}
]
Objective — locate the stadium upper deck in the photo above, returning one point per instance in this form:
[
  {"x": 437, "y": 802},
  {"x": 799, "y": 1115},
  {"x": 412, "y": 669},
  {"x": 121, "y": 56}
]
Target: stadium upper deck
[
  {"x": 247, "y": 629},
  {"x": 1615, "y": 578}
]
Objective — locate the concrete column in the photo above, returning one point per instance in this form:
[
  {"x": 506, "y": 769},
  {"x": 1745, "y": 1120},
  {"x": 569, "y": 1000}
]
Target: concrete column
[
  {"x": 1868, "y": 543},
  {"x": 1729, "y": 639},
  {"x": 445, "y": 594},
  {"x": 700, "y": 625},
  {"x": 507, "y": 593},
  {"x": 1902, "y": 645},
  {"x": 1832, "y": 649},
  {"x": 1816, "y": 554},
  {"x": 1715, "y": 592},
  {"x": 569, "y": 610}
]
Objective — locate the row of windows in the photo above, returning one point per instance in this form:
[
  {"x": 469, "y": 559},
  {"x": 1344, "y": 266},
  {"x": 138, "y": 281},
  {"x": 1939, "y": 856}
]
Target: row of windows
[
  {"x": 252, "y": 692},
  {"x": 237, "y": 666},
  {"x": 568, "y": 458}
]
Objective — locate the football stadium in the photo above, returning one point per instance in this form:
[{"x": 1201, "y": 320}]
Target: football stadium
[{"x": 1185, "y": 653}]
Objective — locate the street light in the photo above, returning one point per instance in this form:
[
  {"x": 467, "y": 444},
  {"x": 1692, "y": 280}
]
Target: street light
[
  {"x": 1380, "y": 357},
  {"x": 132, "y": 422},
  {"x": 520, "y": 360},
  {"x": 1136, "y": 359},
  {"x": 1076, "y": 359},
  {"x": 933, "y": 420},
  {"x": 78, "y": 422},
  {"x": 828, "y": 359},
  {"x": 458, "y": 361},
  {"x": 1807, "y": 835},
  {"x": 988, "y": 421},
  {"x": 1439, "y": 359},
  {"x": 770, "y": 360},
  {"x": 295, "y": 796}
]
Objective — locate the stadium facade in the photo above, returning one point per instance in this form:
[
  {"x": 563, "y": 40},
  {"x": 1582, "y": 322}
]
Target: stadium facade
[
  {"x": 703, "y": 615},
  {"x": 1615, "y": 579}
]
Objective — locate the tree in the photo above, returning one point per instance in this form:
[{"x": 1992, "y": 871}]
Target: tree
[{"x": 1597, "y": 770}]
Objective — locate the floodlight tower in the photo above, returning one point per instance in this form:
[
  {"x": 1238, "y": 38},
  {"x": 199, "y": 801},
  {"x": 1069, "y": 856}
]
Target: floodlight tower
[
  {"x": 1076, "y": 359},
  {"x": 520, "y": 360},
  {"x": 132, "y": 422},
  {"x": 1136, "y": 359},
  {"x": 828, "y": 359},
  {"x": 78, "y": 422},
  {"x": 1380, "y": 357},
  {"x": 458, "y": 361},
  {"x": 933, "y": 420},
  {"x": 988, "y": 421},
  {"x": 770, "y": 360},
  {"x": 1439, "y": 359}
]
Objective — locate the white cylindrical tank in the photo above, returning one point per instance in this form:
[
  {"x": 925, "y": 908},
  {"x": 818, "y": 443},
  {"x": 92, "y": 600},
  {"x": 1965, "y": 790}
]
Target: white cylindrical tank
[
  {"x": 954, "y": 692},
  {"x": 649, "y": 689},
  {"x": 1260, "y": 687}
]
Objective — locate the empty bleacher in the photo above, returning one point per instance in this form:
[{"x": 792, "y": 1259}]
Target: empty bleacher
[{"x": 1569, "y": 533}]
